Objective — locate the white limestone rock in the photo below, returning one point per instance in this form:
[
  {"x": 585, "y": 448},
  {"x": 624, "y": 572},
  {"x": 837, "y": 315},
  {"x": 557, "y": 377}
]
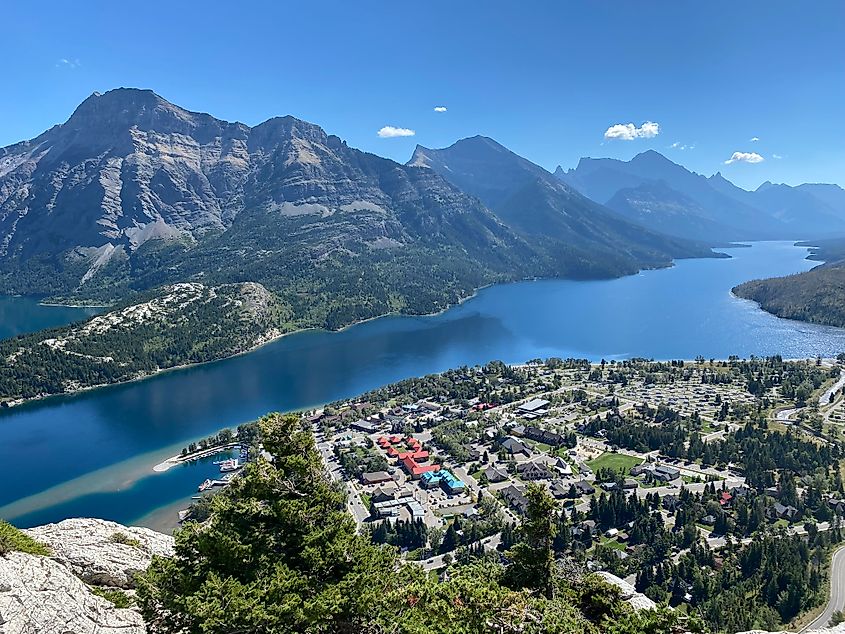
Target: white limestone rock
[
  {"x": 100, "y": 552},
  {"x": 39, "y": 595}
]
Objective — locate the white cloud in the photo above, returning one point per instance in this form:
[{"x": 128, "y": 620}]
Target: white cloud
[
  {"x": 677, "y": 145},
  {"x": 68, "y": 63},
  {"x": 745, "y": 157},
  {"x": 754, "y": 139},
  {"x": 629, "y": 132},
  {"x": 776, "y": 156},
  {"x": 389, "y": 132},
  {"x": 440, "y": 109}
]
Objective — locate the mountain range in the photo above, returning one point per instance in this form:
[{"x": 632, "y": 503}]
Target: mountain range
[
  {"x": 652, "y": 191},
  {"x": 134, "y": 192}
]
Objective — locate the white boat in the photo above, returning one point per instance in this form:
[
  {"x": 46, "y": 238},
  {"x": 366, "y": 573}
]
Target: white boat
[
  {"x": 230, "y": 465},
  {"x": 205, "y": 486}
]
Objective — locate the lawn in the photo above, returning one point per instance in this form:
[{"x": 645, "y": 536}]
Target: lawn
[
  {"x": 612, "y": 543},
  {"x": 539, "y": 446},
  {"x": 614, "y": 461}
]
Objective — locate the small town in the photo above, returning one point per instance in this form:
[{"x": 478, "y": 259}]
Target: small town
[{"x": 439, "y": 466}]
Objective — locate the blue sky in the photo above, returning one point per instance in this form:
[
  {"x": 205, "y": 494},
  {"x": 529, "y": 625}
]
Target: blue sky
[{"x": 547, "y": 79}]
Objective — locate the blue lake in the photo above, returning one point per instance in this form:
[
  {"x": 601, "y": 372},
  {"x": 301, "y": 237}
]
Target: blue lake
[
  {"x": 20, "y": 315},
  {"x": 91, "y": 454}
]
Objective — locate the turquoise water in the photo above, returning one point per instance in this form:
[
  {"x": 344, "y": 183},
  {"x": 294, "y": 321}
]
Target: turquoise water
[{"x": 91, "y": 454}]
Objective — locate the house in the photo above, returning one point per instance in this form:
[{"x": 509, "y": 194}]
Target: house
[
  {"x": 584, "y": 488},
  {"x": 837, "y": 505},
  {"x": 663, "y": 473},
  {"x": 534, "y": 471},
  {"x": 610, "y": 533},
  {"x": 514, "y": 447},
  {"x": 670, "y": 502},
  {"x": 638, "y": 469},
  {"x": 609, "y": 486},
  {"x": 725, "y": 498},
  {"x": 375, "y": 477},
  {"x": 473, "y": 455},
  {"x": 541, "y": 435},
  {"x": 740, "y": 491},
  {"x": 563, "y": 466},
  {"x": 495, "y": 474},
  {"x": 584, "y": 530},
  {"x": 630, "y": 485},
  {"x": 779, "y": 511},
  {"x": 515, "y": 499},
  {"x": 559, "y": 489},
  {"x": 708, "y": 520}
]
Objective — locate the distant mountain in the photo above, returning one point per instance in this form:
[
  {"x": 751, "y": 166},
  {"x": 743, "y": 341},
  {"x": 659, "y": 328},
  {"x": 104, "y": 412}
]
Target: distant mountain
[
  {"x": 658, "y": 206},
  {"x": 581, "y": 233},
  {"x": 715, "y": 205},
  {"x": 134, "y": 192},
  {"x": 831, "y": 195}
]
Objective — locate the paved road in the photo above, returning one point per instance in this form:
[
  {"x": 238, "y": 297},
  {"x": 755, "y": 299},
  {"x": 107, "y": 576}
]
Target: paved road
[
  {"x": 824, "y": 399},
  {"x": 785, "y": 415},
  {"x": 837, "y": 591},
  {"x": 489, "y": 543}
]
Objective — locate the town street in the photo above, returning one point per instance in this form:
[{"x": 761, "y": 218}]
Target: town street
[{"x": 837, "y": 591}]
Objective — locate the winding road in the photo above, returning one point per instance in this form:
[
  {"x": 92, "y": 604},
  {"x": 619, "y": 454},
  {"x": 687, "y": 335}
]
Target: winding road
[{"x": 837, "y": 591}]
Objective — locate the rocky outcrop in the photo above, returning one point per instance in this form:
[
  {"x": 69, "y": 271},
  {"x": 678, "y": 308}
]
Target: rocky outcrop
[
  {"x": 100, "y": 552},
  {"x": 55, "y": 595},
  {"x": 39, "y": 595},
  {"x": 628, "y": 592}
]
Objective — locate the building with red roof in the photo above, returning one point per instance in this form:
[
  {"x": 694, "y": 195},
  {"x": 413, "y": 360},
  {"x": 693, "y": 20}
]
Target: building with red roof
[{"x": 415, "y": 470}]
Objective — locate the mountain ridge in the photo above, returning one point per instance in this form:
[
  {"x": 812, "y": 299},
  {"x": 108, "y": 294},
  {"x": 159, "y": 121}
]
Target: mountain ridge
[
  {"x": 133, "y": 192},
  {"x": 769, "y": 212}
]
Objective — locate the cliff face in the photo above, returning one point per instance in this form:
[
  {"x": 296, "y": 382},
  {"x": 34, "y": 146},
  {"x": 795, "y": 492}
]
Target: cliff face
[
  {"x": 131, "y": 179},
  {"x": 57, "y": 594}
]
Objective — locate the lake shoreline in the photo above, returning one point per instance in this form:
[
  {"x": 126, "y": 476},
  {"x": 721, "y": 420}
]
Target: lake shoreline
[
  {"x": 265, "y": 340},
  {"x": 91, "y": 455}
]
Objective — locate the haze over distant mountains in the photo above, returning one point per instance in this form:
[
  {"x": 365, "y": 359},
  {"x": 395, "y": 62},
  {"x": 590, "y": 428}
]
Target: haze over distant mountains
[
  {"x": 133, "y": 192},
  {"x": 653, "y": 191}
]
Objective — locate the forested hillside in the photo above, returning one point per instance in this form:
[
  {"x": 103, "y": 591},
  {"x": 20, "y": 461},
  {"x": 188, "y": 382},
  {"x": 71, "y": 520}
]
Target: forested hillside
[
  {"x": 186, "y": 323},
  {"x": 816, "y": 296}
]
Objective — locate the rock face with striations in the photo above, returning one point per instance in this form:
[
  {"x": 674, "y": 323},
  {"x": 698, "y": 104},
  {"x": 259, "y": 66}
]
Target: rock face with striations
[
  {"x": 133, "y": 191},
  {"x": 100, "y": 552},
  {"x": 130, "y": 174},
  {"x": 52, "y": 595},
  {"x": 39, "y": 595}
]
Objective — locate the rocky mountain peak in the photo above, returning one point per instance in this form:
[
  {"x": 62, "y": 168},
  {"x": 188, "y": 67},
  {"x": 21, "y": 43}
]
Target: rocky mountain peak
[{"x": 128, "y": 107}]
